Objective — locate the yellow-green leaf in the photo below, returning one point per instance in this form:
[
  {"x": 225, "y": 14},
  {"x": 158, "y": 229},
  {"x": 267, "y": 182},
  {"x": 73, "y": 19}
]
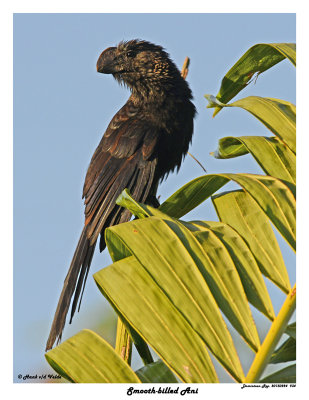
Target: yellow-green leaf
[
  {"x": 278, "y": 116},
  {"x": 240, "y": 211},
  {"x": 272, "y": 155},
  {"x": 274, "y": 197},
  {"x": 291, "y": 330},
  {"x": 255, "y": 61},
  {"x": 177, "y": 262},
  {"x": 285, "y": 375},
  {"x": 192, "y": 194},
  {"x": 286, "y": 352},
  {"x": 88, "y": 358},
  {"x": 156, "y": 372},
  {"x": 137, "y": 295},
  {"x": 248, "y": 270},
  {"x": 231, "y": 243}
]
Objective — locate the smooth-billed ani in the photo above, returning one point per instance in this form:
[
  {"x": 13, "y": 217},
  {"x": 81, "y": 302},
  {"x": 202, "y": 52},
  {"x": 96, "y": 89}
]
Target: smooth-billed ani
[{"x": 147, "y": 138}]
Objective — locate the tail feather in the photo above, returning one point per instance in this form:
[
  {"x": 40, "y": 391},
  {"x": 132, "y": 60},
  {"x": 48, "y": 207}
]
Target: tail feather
[
  {"x": 139, "y": 180},
  {"x": 84, "y": 279},
  {"x": 73, "y": 285}
]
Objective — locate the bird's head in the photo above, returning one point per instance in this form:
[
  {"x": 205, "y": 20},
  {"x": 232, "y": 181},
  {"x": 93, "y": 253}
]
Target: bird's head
[{"x": 138, "y": 64}]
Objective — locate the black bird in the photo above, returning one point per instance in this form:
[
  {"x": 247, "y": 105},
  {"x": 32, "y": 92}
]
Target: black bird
[{"x": 146, "y": 139}]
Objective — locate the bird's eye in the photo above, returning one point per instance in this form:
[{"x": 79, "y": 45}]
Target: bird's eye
[{"x": 130, "y": 53}]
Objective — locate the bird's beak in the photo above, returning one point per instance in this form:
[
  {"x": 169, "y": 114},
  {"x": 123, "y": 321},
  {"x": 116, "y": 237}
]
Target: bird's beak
[{"x": 107, "y": 62}]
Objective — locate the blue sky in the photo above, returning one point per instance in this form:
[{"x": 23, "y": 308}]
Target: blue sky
[{"x": 61, "y": 109}]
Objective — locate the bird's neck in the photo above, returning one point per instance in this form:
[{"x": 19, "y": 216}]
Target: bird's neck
[{"x": 156, "y": 94}]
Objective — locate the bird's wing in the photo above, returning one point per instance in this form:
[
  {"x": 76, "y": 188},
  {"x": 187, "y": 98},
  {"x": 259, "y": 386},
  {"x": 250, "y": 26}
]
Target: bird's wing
[{"x": 125, "y": 158}]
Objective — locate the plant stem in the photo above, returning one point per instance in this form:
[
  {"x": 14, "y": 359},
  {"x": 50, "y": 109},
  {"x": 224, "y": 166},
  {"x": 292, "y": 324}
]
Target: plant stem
[
  {"x": 200, "y": 164},
  {"x": 277, "y": 329},
  {"x": 123, "y": 342}
]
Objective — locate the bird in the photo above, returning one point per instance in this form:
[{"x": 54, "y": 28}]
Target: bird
[{"x": 146, "y": 140}]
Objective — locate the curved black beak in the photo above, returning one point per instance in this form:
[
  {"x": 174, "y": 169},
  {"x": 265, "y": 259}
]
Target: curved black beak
[{"x": 107, "y": 62}]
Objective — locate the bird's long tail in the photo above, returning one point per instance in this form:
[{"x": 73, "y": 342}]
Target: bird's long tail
[{"x": 73, "y": 285}]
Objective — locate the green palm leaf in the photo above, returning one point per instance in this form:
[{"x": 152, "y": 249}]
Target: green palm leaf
[
  {"x": 273, "y": 196},
  {"x": 278, "y": 116},
  {"x": 136, "y": 294},
  {"x": 88, "y": 358},
  {"x": 285, "y": 375},
  {"x": 286, "y": 352},
  {"x": 272, "y": 155},
  {"x": 247, "y": 268},
  {"x": 291, "y": 330},
  {"x": 178, "y": 264},
  {"x": 259, "y": 58},
  {"x": 241, "y": 212},
  {"x": 231, "y": 243},
  {"x": 156, "y": 372}
]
